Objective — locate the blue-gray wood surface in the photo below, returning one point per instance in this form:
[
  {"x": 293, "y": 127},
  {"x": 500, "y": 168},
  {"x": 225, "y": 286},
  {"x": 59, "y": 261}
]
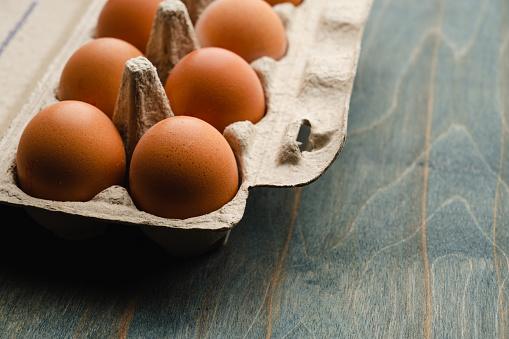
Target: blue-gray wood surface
[{"x": 405, "y": 236}]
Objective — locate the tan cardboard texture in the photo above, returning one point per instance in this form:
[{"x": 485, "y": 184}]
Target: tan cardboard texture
[{"x": 310, "y": 86}]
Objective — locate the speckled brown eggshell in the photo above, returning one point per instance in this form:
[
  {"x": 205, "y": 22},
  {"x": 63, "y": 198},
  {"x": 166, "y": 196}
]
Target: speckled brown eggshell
[
  {"x": 94, "y": 72},
  {"x": 182, "y": 167},
  {"x": 215, "y": 85},
  {"x": 129, "y": 20},
  {"x": 250, "y": 28},
  {"x": 70, "y": 151},
  {"x": 276, "y": 2}
]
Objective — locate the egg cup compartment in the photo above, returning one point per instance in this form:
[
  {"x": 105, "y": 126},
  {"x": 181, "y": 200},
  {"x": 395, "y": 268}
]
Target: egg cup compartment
[{"x": 310, "y": 86}]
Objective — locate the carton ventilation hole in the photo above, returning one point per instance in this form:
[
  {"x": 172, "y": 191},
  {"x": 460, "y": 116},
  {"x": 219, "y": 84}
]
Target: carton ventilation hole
[{"x": 305, "y": 144}]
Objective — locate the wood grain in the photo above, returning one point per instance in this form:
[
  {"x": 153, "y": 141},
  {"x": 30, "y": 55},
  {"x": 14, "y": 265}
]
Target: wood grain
[{"x": 405, "y": 236}]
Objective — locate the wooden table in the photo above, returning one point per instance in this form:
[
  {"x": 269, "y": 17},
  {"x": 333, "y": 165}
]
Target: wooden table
[{"x": 405, "y": 236}]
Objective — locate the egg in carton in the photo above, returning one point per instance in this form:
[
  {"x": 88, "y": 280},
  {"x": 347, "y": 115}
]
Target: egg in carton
[{"x": 311, "y": 85}]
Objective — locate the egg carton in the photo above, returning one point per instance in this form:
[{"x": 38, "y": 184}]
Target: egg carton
[{"x": 310, "y": 86}]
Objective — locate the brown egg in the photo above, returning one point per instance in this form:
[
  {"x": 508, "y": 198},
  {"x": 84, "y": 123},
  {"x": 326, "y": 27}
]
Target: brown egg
[
  {"x": 94, "y": 72},
  {"x": 275, "y": 2},
  {"x": 182, "y": 167},
  {"x": 249, "y": 28},
  {"x": 70, "y": 151},
  {"x": 215, "y": 85},
  {"x": 129, "y": 20}
]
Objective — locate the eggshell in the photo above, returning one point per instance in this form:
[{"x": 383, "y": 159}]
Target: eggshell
[
  {"x": 277, "y": 2},
  {"x": 215, "y": 85},
  {"x": 249, "y": 28},
  {"x": 129, "y": 20},
  {"x": 70, "y": 151},
  {"x": 182, "y": 167},
  {"x": 94, "y": 71}
]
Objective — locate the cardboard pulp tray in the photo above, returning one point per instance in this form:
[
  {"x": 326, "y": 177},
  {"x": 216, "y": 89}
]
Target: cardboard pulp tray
[{"x": 311, "y": 85}]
